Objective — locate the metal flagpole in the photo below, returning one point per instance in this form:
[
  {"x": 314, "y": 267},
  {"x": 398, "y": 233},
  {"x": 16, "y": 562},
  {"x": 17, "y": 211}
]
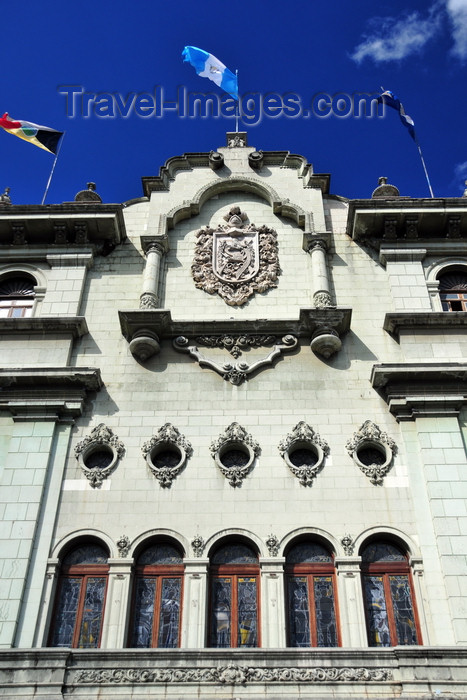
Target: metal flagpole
[
  {"x": 238, "y": 100},
  {"x": 424, "y": 168},
  {"x": 53, "y": 168}
]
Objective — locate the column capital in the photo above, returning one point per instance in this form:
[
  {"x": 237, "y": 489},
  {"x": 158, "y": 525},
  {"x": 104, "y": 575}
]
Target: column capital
[
  {"x": 157, "y": 244},
  {"x": 316, "y": 241}
]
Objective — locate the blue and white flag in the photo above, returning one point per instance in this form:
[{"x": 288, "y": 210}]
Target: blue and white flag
[
  {"x": 390, "y": 99},
  {"x": 208, "y": 66}
]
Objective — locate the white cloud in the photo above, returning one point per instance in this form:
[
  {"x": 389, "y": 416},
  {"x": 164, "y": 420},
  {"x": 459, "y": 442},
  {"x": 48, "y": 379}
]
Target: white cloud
[
  {"x": 393, "y": 39},
  {"x": 457, "y": 11},
  {"x": 460, "y": 175}
]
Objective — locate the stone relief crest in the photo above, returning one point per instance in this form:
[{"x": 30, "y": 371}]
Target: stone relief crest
[{"x": 236, "y": 259}]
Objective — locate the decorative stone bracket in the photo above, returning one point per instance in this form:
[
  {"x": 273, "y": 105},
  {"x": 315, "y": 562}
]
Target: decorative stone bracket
[
  {"x": 144, "y": 330},
  {"x": 235, "y": 373}
]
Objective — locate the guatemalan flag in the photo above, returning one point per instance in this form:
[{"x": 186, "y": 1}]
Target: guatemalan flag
[
  {"x": 390, "y": 99},
  {"x": 208, "y": 66},
  {"x": 41, "y": 136}
]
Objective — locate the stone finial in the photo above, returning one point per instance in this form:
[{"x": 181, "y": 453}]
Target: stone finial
[
  {"x": 5, "y": 197},
  {"x": 384, "y": 190},
  {"x": 89, "y": 195},
  {"x": 236, "y": 139}
]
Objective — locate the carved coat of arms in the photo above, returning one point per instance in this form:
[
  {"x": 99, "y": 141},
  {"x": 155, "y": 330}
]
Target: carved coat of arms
[{"x": 236, "y": 260}]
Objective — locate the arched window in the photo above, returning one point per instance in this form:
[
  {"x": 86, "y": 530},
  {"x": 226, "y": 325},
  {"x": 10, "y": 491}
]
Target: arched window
[
  {"x": 311, "y": 597},
  {"x": 390, "y": 611},
  {"x": 79, "y": 607},
  {"x": 157, "y": 599},
  {"x": 16, "y": 296},
  {"x": 234, "y": 597},
  {"x": 453, "y": 290}
]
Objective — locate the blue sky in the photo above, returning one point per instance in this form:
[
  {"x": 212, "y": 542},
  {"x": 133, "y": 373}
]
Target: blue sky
[{"x": 416, "y": 48}]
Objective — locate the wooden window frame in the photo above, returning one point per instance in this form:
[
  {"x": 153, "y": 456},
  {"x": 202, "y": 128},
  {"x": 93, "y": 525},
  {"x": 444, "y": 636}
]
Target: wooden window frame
[
  {"x": 310, "y": 570},
  {"x": 235, "y": 572},
  {"x": 386, "y": 570},
  {"x": 83, "y": 572},
  {"x": 158, "y": 572}
]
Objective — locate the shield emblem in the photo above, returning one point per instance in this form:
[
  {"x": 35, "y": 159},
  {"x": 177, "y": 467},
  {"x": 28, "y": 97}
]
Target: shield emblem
[{"x": 235, "y": 255}]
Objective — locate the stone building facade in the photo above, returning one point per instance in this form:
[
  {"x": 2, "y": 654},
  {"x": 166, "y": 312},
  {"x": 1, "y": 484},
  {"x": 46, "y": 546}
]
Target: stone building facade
[{"x": 232, "y": 439}]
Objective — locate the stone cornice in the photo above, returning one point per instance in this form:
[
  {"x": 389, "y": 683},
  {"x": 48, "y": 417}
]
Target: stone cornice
[
  {"x": 75, "y": 326},
  {"x": 48, "y": 393},
  {"x": 422, "y": 390},
  {"x": 100, "y": 226},
  {"x": 403, "y": 220},
  {"x": 162, "y": 324},
  {"x": 395, "y": 322}
]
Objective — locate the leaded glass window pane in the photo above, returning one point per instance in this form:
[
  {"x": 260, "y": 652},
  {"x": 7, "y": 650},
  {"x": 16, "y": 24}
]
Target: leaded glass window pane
[
  {"x": 326, "y": 627},
  {"x": 87, "y": 554},
  {"x": 221, "y": 612},
  {"x": 308, "y": 553},
  {"x": 403, "y": 610},
  {"x": 144, "y": 612},
  {"x": 169, "y": 618},
  {"x": 382, "y": 552},
  {"x": 247, "y": 612},
  {"x": 65, "y": 616},
  {"x": 235, "y": 554},
  {"x": 91, "y": 619},
  {"x": 378, "y": 624},
  {"x": 160, "y": 555},
  {"x": 299, "y": 613}
]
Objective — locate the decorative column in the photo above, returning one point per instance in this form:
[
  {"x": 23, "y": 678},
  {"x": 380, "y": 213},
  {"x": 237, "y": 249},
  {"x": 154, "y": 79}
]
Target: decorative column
[
  {"x": 145, "y": 342},
  {"x": 325, "y": 340},
  {"x": 154, "y": 248},
  {"x": 194, "y": 604},
  {"x": 317, "y": 248},
  {"x": 351, "y": 606},
  {"x": 272, "y": 608}
]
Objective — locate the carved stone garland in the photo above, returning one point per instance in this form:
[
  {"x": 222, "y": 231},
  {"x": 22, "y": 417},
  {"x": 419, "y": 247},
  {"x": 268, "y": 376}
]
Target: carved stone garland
[
  {"x": 370, "y": 436},
  {"x": 234, "y": 452},
  {"x": 303, "y": 437},
  {"x": 236, "y": 260},
  {"x": 233, "y": 674},
  {"x": 235, "y": 373},
  {"x": 101, "y": 441},
  {"x": 171, "y": 449}
]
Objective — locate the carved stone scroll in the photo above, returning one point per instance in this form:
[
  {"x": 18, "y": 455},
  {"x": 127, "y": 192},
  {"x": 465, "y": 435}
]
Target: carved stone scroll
[{"x": 238, "y": 372}]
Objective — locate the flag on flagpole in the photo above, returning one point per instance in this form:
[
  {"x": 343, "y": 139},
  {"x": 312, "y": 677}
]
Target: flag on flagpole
[
  {"x": 208, "y": 66},
  {"x": 390, "y": 99},
  {"x": 41, "y": 136}
]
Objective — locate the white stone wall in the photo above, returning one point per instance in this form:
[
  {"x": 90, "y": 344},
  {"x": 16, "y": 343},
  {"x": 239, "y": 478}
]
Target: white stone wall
[{"x": 333, "y": 396}]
